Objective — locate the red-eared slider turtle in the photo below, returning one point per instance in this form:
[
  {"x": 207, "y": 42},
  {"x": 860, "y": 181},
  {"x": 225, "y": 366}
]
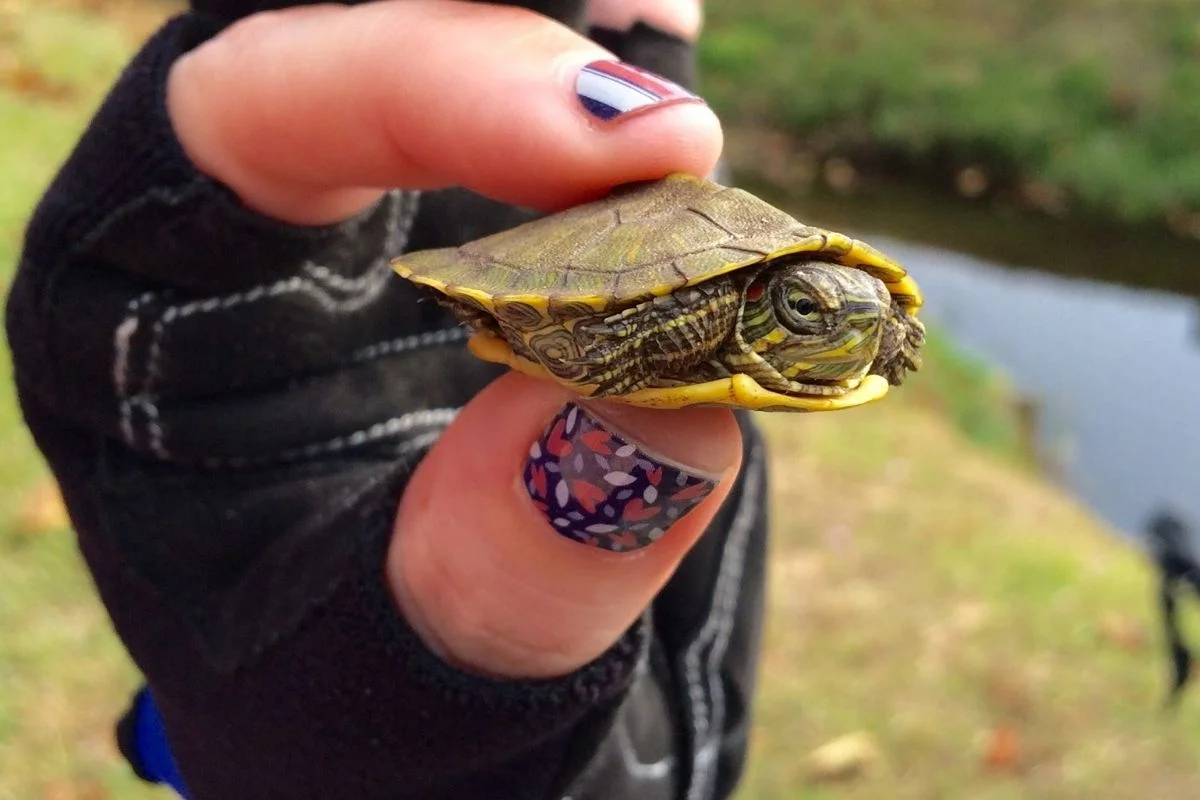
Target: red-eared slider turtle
[{"x": 680, "y": 292}]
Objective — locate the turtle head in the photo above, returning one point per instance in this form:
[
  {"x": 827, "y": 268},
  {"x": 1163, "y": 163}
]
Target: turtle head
[{"x": 823, "y": 327}]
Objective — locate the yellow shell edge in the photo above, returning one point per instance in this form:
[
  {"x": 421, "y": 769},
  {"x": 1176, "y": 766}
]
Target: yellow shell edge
[{"x": 740, "y": 391}]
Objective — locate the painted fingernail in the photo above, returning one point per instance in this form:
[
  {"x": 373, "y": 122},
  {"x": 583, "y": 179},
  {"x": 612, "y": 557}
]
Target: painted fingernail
[
  {"x": 599, "y": 489},
  {"x": 612, "y": 89}
]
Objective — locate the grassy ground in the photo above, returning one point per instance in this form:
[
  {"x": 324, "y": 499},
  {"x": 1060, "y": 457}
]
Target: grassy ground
[
  {"x": 929, "y": 594},
  {"x": 1068, "y": 105},
  {"x": 927, "y": 589},
  {"x": 63, "y": 675}
]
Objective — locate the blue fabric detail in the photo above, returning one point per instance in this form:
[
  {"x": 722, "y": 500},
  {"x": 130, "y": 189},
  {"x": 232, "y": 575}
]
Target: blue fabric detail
[{"x": 153, "y": 749}]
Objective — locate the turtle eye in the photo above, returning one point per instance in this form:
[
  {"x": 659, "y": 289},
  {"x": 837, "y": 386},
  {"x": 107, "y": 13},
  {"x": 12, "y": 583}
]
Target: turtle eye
[
  {"x": 804, "y": 306},
  {"x": 799, "y": 311}
]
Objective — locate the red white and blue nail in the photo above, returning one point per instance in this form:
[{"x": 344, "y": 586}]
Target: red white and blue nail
[
  {"x": 611, "y": 89},
  {"x": 597, "y": 488}
]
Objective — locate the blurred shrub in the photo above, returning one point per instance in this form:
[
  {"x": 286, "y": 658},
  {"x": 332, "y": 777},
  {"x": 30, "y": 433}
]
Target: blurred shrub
[{"x": 1100, "y": 100}]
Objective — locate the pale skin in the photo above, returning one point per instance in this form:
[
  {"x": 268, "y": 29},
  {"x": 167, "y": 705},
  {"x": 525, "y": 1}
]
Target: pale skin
[{"x": 342, "y": 114}]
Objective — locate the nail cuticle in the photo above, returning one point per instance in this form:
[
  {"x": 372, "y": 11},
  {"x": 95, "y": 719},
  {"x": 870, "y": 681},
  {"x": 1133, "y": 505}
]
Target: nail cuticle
[{"x": 598, "y": 488}]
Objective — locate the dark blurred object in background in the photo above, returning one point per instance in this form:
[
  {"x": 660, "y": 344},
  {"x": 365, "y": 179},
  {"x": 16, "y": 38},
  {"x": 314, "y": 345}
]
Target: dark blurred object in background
[{"x": 1168, "y": 537}]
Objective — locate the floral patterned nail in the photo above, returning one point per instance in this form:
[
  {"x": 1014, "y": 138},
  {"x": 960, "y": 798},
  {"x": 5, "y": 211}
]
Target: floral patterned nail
[{"x": 599, "y": 489}]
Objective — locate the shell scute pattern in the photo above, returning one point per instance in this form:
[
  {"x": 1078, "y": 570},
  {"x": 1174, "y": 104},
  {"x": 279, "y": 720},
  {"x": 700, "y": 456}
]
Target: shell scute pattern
[
  {"x": 743, "y": 217},
  {"x": 634, "y": 202},
  {"x": 645, "y": 244},
  {"x": 520, "y": 315},
  {"x": 560, "y": 351},
  {"x": 625, "y": 247},
  {"x": 570, "y": 310},
  {"x": 632, "y": 244},
  {"x": 508, "y": 255}
]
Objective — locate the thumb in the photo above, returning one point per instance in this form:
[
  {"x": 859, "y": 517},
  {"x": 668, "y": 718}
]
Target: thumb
[{"x": 540, "y": 527}]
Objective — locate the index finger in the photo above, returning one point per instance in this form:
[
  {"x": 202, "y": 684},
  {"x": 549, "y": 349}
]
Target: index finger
[{"x": 308, "y": 113}]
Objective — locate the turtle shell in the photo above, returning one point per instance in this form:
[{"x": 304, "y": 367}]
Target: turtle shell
[{"x": 643, "y": 240}]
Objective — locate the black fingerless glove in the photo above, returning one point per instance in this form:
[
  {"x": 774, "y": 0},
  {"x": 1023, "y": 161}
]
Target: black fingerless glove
[{"x": 232, "y": 407}]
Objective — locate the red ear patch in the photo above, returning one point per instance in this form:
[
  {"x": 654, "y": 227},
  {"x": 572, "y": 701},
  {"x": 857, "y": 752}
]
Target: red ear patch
[{"x": 754, "y": 293}]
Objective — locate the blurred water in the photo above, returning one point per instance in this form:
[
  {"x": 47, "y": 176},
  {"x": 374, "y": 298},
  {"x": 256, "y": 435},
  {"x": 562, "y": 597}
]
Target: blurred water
[{"x": 1115, "y": 369}]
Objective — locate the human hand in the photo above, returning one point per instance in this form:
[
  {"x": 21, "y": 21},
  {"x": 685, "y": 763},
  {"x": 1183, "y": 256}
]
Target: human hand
[{"x": 308, "y": 115}]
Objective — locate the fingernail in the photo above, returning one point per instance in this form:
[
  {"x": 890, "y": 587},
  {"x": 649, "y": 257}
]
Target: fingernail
[
  {"x": 598, "y": 488},
  {"x": 612, "y": 89}
]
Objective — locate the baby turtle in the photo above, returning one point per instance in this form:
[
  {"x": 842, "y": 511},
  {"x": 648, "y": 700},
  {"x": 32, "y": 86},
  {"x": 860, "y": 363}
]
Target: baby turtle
[{"x": 680, "y": 292}]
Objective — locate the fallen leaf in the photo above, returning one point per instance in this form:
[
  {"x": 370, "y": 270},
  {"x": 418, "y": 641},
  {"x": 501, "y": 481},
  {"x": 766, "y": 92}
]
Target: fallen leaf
[
  {"x": 43, "y": 511},
  {"x": 30, "y": 82},
  {"x": 1124, "y": 632},
  {"x": 74, "y": 790},
  {"x": 1003, "y": 749},
  {"x": 845, "y": 758}
]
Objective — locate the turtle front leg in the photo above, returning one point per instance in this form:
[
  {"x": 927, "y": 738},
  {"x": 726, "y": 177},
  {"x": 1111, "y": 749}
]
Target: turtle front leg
[
  {"x": 900, "y": 350},
  {"x": 660, "y": 342},
  {"x": 474, "y": 318}
]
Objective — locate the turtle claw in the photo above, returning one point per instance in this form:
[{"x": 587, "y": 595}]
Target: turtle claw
[{"x": 900, "y": 353}]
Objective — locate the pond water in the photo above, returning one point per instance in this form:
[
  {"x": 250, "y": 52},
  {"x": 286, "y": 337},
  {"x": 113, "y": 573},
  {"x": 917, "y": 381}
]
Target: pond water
[
  {"x": 1113, "y": 361},
  {"x": 1116, "y": 373}
]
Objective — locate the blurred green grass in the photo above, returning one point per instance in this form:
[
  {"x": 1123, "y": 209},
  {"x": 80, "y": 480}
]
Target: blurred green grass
[
  {"x": 1095, "y": 101},
  {"x": 933, "y": 593},
  {"x": 63, "y": 674},
  {"x": 926, "y": 587}
]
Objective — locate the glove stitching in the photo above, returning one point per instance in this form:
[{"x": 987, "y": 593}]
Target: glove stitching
[
  {"x": 319, "y": 282},
  {"x": 416, "y": 341},
  {"x": 706, "y": 736},
  {"x": 122, "y": 342}
]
